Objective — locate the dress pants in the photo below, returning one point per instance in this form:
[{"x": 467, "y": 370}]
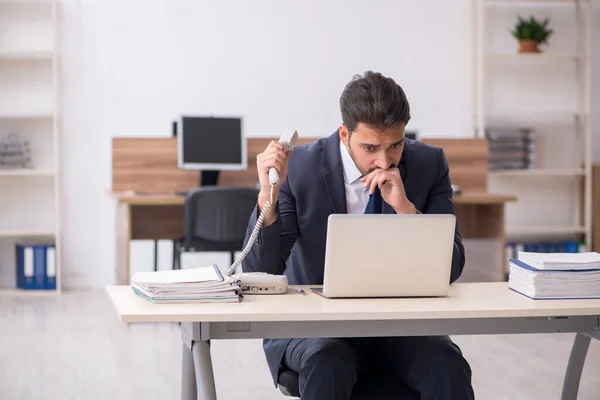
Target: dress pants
[{"x": 329, "y": 368}]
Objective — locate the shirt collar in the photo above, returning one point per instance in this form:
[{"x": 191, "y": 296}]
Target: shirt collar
[{"x": 351, "y": 171}]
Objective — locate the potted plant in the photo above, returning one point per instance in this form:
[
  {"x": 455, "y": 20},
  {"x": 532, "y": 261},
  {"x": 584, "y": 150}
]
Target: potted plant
[{"x": 531, "y": 33}]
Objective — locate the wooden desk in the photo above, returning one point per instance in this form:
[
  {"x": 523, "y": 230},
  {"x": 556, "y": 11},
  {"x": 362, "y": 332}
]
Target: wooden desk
[
  {"x": 160, "y": 217},
  {"x": 145, "y": 217},
  {"x": 469, "y": 309}
]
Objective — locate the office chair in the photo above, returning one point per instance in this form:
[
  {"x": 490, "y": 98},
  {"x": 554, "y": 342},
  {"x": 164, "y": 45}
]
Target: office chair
[
  {"x": 215, "y": 218},
  {"x": 373, "y": 384}
]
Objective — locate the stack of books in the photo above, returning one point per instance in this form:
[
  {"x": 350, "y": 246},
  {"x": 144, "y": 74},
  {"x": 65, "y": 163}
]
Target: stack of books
[
  {"x": 513, "y": 248},
  {"x": 511, "y": 148},
  {"x": 197, "y": 285},
  {"x": 14, "y": 153},
  {"x": 556, "y": 275}
]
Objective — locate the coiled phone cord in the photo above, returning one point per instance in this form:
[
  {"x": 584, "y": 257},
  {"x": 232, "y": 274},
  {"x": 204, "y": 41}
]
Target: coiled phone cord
[{"x": 254, "y": 235}]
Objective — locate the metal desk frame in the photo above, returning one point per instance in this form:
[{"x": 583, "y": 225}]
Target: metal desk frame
[{"x": 197, "y": 372}]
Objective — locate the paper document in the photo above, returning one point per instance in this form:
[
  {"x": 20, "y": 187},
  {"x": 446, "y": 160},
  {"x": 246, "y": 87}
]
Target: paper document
[
  {"x": 562, "y": 261},
  {"x": 555, "y": 281},
  {"x": 209, "y": 273},
  {"x": 205, "y": 284}
]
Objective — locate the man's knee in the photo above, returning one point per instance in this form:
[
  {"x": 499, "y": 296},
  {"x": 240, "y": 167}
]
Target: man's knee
[
  {"x": 328, "y": 370},
  {"x": 332, "y": 356},
  {"x": 333, "y": 364},
  {"x": 449, "y": 361},
  {"x": 449, "y": 373}
]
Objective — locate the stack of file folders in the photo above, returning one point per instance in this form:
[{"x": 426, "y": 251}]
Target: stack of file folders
[
  {"x": 556, "y": 275},
  {"x": 511, "y": 148},
  {"x": 197, "y": 285}
]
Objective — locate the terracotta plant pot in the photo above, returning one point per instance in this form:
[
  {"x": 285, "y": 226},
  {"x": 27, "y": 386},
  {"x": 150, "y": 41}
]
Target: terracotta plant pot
[{"x": 528, "y": 46}]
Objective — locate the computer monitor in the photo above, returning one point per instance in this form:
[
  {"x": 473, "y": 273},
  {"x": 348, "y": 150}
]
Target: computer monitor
[
  {"x": 211, "y": 144},
  {"x": 411, "y": 135}
]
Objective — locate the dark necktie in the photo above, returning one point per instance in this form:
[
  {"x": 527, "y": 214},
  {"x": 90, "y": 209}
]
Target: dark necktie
[{"x": 374, "y": 204}]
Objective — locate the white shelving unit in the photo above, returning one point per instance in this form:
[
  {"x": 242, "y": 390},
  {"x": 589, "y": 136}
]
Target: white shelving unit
[
  {"x": 569, "y": 49},
  {"x": 30, "y": 200},
  {"x": 26, "y": 55},
  {"x": 540, "y": 172}
]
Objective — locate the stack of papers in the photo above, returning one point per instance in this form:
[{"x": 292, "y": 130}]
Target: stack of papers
[
  {"x": 556, "y": 275},
  {"x": 561, "y": 261},
  {"x": 198, "y": 285}
]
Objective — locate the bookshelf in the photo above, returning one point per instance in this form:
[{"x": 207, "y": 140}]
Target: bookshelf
[
  {"x": 30, "y": 204},
  {"x": 533, "y": 58},
  {"x": 26, "y": 55},
  {"x": 551, "y": 94}
]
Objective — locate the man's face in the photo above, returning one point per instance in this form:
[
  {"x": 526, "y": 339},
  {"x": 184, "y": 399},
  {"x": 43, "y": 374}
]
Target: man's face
[{"x": 371, "y": 148}]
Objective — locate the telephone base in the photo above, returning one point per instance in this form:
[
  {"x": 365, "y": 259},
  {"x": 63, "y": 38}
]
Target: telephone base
[{"x": 262, "y": 283}]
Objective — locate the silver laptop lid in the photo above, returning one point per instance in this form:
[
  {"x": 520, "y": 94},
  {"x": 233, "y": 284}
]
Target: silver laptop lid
[{"x": 388, "y": 255}]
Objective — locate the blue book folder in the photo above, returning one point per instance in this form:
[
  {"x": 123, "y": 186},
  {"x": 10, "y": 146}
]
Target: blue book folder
[
  {"x": 50, "y": 276},
  {"x": 39, "y": 266},
  {"x": 24, "y": 266},
  {"x": 19, "y": 272},
  {"x": 571, "y": 247}
]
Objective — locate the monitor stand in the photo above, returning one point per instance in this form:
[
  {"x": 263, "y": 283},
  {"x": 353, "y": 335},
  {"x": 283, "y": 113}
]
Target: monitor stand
[{"x": 209, "y": 178}]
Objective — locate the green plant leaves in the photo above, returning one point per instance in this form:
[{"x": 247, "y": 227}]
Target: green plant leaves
[{"x": 532, "y": 29}]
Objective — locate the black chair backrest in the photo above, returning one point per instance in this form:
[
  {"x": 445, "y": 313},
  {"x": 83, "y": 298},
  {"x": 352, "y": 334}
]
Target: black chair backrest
[{"x": 216, "y": 217}]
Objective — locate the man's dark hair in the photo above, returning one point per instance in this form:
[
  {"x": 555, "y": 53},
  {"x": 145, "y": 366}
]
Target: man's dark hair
[{"x": 374, "y": 100}]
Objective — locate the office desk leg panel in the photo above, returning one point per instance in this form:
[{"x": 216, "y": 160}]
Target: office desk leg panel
[
  {"x": 205, "y": 380},
  {"x": 197, "y": 379},
  {"x": 123, "y": 224},
  {"x": 188, "y": 375},
  {"x": 575, "y": 367}
]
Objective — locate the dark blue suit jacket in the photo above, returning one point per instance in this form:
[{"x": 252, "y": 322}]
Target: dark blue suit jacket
[{"x": 294, "y": 244}]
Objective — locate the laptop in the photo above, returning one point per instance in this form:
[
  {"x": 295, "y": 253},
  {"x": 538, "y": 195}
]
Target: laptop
[{"x": 388, "y": 255}]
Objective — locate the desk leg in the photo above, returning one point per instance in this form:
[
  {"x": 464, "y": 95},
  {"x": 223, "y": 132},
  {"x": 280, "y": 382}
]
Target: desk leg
[
  {"x": 188, "y": 376},
  {"x": 123, "y": 225},
  {"x": 575, "y": 367},
  {"x": 197, "y": 378},
  {"x": 205, "y": 380}
]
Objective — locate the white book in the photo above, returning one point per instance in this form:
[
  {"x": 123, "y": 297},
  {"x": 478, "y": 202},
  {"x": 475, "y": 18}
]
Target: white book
[
  {"x": 561, "y": 261},
  {"x": 553, "y": 284},
  {"x": 209, "y": 273}
]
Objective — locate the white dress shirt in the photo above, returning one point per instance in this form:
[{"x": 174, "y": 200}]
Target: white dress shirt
[{"x": 357, "y": 196}]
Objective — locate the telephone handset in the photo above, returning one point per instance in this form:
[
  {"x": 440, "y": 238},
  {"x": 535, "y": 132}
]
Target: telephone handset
[
  {"x": 261, "y": 282},
  {"x": 288, "y": 142}
]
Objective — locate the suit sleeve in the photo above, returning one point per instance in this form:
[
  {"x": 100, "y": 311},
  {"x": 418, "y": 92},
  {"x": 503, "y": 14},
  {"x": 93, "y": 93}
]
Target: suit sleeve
[
  {"x": 440, "y": 201},
  {"x": 274, "y": 242}
]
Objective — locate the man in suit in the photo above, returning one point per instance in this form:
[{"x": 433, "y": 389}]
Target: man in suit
[{"x": 367, "y": 165}]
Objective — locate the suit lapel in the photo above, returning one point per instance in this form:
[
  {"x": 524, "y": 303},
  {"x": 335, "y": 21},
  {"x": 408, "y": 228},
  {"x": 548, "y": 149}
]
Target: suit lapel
[
  {"x": 333, "y": 174},
  {"x": 334, "y": 181},
  {"x": 402, "y": 169}
]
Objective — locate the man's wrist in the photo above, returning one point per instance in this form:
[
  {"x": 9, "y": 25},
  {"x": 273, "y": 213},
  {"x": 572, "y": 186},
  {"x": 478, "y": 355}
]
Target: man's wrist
[
  {"x": 263, "y": 198},
  {"x": 406, "y": 208},
  {"x": 265, "y": 192}
]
